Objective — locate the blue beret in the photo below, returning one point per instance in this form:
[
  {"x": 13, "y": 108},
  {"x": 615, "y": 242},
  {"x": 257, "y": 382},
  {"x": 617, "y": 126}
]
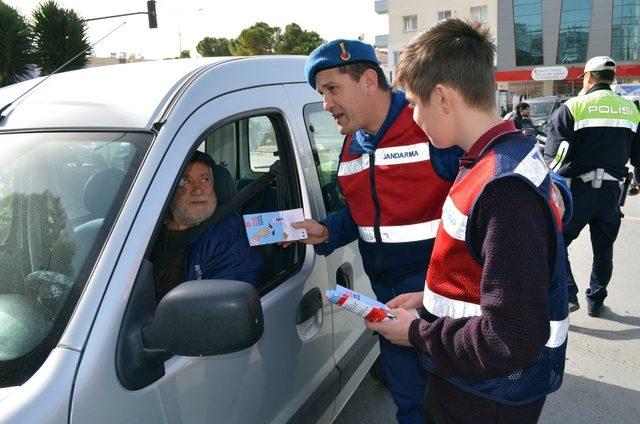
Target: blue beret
[{"x": 337, "y": 53}]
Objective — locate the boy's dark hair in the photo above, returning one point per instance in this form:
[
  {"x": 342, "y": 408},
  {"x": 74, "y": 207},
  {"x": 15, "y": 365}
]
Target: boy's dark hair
[
  {"x": 607, "y": 76},
  {"x": 355, "y": 70},
  {"x": 522, "y": 106},
  {"x": 455, "y": 53}
]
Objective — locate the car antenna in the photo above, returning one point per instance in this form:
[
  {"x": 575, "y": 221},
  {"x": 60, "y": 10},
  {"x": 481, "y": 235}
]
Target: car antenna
[{"x": 5, "y": 107}]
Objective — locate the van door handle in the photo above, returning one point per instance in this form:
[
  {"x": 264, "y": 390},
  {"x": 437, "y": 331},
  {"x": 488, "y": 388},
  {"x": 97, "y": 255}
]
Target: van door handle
[
  {"x": 309, "y": 305},
  {"x": 342, "y": 276}
]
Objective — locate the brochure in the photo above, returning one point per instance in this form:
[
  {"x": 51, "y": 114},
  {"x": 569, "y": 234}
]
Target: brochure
[
  {"x": 359, "y": 304},
  {"x": 273, "y": 227}
]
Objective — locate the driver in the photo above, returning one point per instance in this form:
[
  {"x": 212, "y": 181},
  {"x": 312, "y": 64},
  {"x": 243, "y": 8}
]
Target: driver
[{"x": 222, "y": 252}]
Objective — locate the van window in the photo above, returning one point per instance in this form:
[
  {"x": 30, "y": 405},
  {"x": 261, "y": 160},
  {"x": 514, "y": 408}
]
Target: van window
[
  {"x": 59, "y": 193},
  {"x": 243, "y": 150},
  {"x": 262, "y": 143},
  {"x": 326, "y": 144}
]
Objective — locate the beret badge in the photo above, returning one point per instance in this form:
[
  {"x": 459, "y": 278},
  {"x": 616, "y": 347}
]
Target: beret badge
[{"x": 344, "y": 55}]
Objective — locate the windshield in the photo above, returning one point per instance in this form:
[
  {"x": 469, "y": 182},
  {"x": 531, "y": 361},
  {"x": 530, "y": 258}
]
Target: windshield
[
  {"x": 59, "y": 193},
  {"x": 541, "y": 109}
]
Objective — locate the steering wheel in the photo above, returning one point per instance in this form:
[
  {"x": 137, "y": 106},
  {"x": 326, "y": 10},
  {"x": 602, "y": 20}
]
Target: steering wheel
[{"x": 48, "y": 289}]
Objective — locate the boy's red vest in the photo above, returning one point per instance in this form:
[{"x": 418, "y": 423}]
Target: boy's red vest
[{"x": 455, "y": 273}]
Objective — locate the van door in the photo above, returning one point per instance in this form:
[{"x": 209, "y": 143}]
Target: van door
[
  {"x": 355, "y": 346},
  {"x": 289, "y": 374}
]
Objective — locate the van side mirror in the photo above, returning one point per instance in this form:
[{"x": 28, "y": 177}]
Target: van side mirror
[
  {"x": 197, "y": 318},
  {"x": 206, "y": 317}
]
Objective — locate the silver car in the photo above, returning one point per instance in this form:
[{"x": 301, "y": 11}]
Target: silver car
[{"x": 88, "y": 163}]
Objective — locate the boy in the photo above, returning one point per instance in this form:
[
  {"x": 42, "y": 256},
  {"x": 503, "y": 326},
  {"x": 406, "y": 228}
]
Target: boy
[{"x": 493, "y": 322}]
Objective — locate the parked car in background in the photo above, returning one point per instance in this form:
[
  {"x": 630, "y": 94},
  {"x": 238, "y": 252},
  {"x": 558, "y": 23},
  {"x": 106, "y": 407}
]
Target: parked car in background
[
  {"x": 630, "y": 91},
  {"x": 635, "y": 99},
  {"x": 542, "y": 108},
  {"x": 89, "y": 162}
]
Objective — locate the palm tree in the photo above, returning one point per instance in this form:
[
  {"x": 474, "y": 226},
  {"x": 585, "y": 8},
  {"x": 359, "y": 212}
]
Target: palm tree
[
  {"x": 15, "y": 45},
  {"x": 59, "y": 34}
]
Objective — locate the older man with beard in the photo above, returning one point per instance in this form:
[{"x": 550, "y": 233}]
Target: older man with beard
[{"x": 222, "y": 252}]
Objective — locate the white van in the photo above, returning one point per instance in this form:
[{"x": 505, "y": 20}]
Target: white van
[{"x": 88, "y": 163}]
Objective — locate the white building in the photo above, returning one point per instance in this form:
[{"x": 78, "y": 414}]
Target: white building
[{"x": 408, "y": 17}]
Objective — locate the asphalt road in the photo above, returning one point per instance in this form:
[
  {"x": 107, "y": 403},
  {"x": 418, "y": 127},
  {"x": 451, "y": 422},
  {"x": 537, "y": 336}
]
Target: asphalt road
[{"x": 602, "y": 374}]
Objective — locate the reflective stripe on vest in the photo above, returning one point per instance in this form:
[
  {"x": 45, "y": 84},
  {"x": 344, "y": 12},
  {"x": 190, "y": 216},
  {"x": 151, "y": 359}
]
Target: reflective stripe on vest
[
  {"x": 454, "y": 222},
  {"x": 605, "y": 122},
  {"x": 401, "y": 233},
  {"x": 386, "y": 156},
  {"x": 441, "y": 306}
]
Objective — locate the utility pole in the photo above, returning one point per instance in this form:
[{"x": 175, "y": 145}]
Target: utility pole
[{"x": 151, "y": 14}]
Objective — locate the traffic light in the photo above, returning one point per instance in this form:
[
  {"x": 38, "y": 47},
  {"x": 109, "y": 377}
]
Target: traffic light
[{"x": 151, "y": 13}]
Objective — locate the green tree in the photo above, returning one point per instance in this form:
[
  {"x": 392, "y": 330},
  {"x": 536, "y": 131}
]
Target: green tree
[
  {"x": 185, "y": 54},
  {"x": 59, "y": 35},
  {"x": 211, "y": 46},
  {"x": 258, "y": 39},
  {"x": 295, "y": 40},
  {"x": 15, "y": 45}
]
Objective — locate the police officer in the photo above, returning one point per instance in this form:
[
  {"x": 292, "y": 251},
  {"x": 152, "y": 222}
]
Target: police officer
[
  {"x": 394, "y": 183},
  {"x": 590, "y": 140}
]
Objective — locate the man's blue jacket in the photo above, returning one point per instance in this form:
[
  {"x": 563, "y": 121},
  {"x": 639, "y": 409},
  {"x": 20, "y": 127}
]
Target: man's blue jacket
[{"x": 223, "y": 253}]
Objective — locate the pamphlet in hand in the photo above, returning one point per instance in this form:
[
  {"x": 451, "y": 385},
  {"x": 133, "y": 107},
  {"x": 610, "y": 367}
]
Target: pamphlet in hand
[
  {"x": 359, "y": 304},
  {"x": 274, "y": 227}
]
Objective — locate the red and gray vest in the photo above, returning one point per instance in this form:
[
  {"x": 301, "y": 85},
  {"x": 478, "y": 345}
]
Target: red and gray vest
[
  {"x": 395, "y": 197},
  {"x": 454, "y": 275}
]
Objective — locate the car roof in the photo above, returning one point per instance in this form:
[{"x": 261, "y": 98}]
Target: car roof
[
  {"x": 543, "y": 99},
  {"x": 135, "y": 95}
]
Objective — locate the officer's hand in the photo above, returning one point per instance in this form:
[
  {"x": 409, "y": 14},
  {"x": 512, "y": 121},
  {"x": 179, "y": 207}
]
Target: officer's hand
[
  {"x": 634, "y": 189},
  {"x": 316, "y": 232},
  {"x": 395, "y": 330},
  {"x": 407, "y": 301}
]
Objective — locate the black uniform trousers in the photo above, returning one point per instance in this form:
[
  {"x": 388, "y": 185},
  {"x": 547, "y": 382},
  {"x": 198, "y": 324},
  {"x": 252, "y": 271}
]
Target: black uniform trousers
[{"x": 599, "y": 208}]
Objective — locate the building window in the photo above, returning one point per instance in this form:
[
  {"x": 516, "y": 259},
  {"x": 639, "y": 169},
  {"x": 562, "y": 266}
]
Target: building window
[
  {"x": 444, "y": 14},
  {"x": 527, "y": 20},
  {"x": 410, "y": 22},
  {"x": 625, "y": 30},
  {"x": 396, "y": 57},
  {"x": 574, "y": 31},
  {"x": 479, "y": 13}
]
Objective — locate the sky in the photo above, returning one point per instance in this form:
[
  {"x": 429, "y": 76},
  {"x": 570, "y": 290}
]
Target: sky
[{"x": 182, "y": 23}]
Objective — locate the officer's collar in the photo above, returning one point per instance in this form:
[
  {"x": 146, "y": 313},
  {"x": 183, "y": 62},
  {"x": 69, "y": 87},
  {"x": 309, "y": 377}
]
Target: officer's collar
[{"x": 599, "y": 86}]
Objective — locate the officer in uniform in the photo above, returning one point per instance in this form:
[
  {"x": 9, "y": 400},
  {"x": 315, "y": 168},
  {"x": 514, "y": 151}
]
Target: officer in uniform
[
  {"x": 590, "y": 140},
  {"x": 394, "y": 183}
]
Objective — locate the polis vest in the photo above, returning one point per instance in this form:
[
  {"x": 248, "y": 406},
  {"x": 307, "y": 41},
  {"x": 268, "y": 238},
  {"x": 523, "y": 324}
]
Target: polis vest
[
  {"x": 394, "y": 194},
  {"x": 455, "y": 273},
  {"x": 604, "y": 127}
]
